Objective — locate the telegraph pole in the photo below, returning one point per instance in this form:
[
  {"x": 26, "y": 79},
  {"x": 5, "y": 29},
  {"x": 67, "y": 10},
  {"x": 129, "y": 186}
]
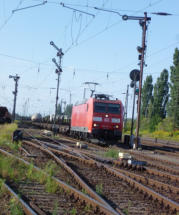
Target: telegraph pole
[
  {"x": 126, "y": 106},
  {"x": 143, "y": 23},
  {"x": 70, "y": 97},
  {"x": 58, "y": 72},
  {"x": 133, "y": 108},
  {"x": 16, "y": 79}
]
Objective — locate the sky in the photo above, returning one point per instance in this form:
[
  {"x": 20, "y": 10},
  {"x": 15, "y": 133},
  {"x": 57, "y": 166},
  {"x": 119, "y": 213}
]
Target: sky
[{"x": 100, "y": 48}]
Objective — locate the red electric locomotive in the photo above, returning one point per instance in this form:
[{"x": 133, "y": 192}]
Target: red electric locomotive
[{"x": 99, "y": 117}]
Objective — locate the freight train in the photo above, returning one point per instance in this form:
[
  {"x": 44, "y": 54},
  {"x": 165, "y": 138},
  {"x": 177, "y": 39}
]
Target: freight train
[
  {"x": 98, "y": 117},
  {"x": 5, "y": 116}
]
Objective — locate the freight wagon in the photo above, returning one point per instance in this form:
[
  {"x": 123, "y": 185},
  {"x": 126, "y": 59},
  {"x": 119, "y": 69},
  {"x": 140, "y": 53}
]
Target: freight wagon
[{"x": 5, "y": 116}]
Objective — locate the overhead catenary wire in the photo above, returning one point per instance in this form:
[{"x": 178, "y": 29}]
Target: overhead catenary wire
[
  {"x": 83, "y": 29},
  {"x": 11, "y": 15},
  {"x": 28, "y": 7}
]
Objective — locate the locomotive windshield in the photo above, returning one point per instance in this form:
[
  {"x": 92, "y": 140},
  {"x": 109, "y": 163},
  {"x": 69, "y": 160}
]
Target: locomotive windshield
[{"x": 100, "y": 107}]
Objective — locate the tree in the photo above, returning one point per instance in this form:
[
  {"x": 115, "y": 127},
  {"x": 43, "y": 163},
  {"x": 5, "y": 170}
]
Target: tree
[
  {"x": 160, "y": 96},
  {"x": 68, "y": 110},
  {"x": 146, "y": 95},
  {"x": 59, "y": 109},
  {"x": 173, "y": 109}
]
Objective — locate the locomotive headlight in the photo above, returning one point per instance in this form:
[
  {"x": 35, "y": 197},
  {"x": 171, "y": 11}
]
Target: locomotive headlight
[
  {"x": 117, "y": 126},
  {"x": 95, "y": 125},
  {"x": 106, "y": 115}
]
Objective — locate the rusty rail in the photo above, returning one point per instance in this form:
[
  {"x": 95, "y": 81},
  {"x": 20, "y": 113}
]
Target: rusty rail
[
  {"x": 74, "y": 192},
  {"x": 132, "y": 182},
  {"x": 69, "y": 170},
  {"x": 173, "y": 205},
  {"x": 152, "y": 158},
  {"x": 163, "y": 174},
  {"x": 149, "y": 180},
  {"x": 26, "y": 208}
]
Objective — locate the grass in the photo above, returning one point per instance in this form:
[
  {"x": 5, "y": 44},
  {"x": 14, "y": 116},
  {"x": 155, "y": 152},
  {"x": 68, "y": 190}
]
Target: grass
[
  {"x": 15, "y": 207},
  {"x": 55, "y": 209},
  {"x": 2, "y": 189},
  {"x": 160, "y": 134},
  {"x": 73, "y": 211},
  {"x": 51, "y": 168},
  {"x": 87, "y": 208},
  {"x": 51, "y": 186},
  {"x": 164, "y": 129},
  {"x": 112, "y": 153},
  {"x": 126, "y": 210},
  {"x": 99, "y": 189},
  {"x": 84, "y": 191},
  {"x": 13, "y": 169},
  {"x": 6, "y": 132}
]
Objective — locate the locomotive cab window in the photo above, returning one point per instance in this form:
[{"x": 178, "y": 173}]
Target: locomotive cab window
[
  {"x": 100, "y": 107},
  {"x": 114, "y": 108}
]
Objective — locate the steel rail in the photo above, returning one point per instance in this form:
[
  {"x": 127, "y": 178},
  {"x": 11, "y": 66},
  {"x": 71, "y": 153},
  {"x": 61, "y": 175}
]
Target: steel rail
[
  {"x": 144, "y": 179},
  {"x": 63, "y": 145},
  {"x": 152, "y": 158},
  {"x": 69, "y": 170},
  {"x": 132, "y": 182},
  {"x": 155, "y": 195},
  {"x": 26, "y": 208},
  {"x": 74, "y": 192},
  {"x": 148, "y": 180},
  {"x": 167, "y": 202},
  {"x": 158, "y": 173},
  {"x": 163, "y": 174},
  {"x": 168, "y": 143}
]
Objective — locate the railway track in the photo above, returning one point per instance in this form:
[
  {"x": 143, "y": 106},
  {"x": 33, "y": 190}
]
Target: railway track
[
  {"x": 67, "y": 199},
  {"x": 9, "y": 198},
  {"x": 83, "y": 172},
  {"x": 157, "y": 163}
]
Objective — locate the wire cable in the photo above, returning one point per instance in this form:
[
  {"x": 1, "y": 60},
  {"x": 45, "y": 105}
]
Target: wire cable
[{"x": 11, "y": 15}]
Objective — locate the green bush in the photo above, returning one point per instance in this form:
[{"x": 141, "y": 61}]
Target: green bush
[
  {"x": 165, "y": 125},
  {"x": 144, "y": 124},
  {"x": 6, "y": 132},
  {"x": 15, "y": 207},
  {"x": 112, "y": 153},
  {"x": 99, "y": 189}
]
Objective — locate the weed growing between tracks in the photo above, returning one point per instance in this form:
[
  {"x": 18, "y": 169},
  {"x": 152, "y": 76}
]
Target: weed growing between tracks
[
  {"x": 6, "y": 132},
  {"x": 11, "y": 205},
  {"x": 51, "y": 168},
  {"x": 126, "y": 210},
  {"x": 73, "y": 211},
  {"x": 55, "y": 210},
  {"x": 99, "y": 189},
  {"x": 2, "y": 190},
  {"x": 14, "y": 170},
  {"x": 15, "y": 207},
  {"x": 112, "y": 153}
]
